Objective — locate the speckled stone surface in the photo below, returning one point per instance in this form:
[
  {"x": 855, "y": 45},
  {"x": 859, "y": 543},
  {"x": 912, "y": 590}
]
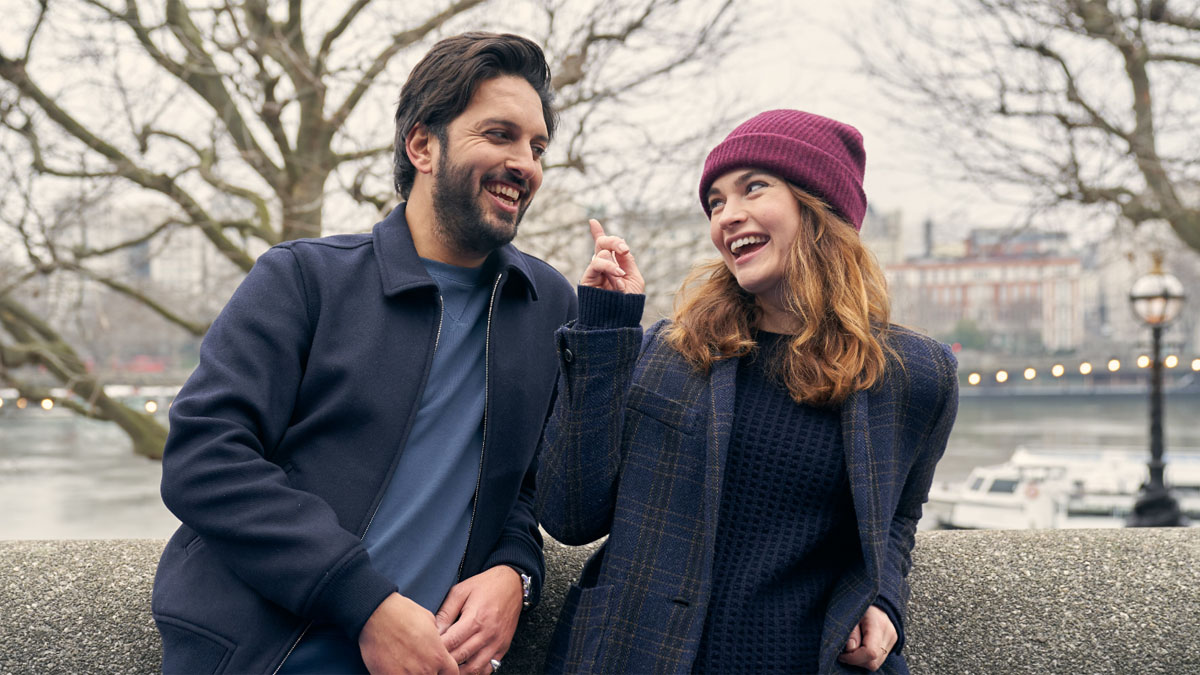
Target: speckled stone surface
[
  {"x": 78, "y": 606},
  {"x": 1056, "y": 601},
  {"x": 1077, "y": 601}
]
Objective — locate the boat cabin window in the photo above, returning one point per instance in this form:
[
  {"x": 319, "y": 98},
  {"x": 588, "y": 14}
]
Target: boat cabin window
[
  {"x": 976, "y": 485},
  {"x": 1005, "y": 485}
]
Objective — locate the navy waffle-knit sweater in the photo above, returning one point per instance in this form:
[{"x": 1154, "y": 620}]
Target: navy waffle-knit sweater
[{"x": 786, "y": 529}]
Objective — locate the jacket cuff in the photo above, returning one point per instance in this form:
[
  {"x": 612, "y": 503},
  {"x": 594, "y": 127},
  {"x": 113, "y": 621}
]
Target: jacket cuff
[
  {"x": 353, "y": 593},
  {"x": 516, "y": 555},
  {"x": 599, "y": 308}
]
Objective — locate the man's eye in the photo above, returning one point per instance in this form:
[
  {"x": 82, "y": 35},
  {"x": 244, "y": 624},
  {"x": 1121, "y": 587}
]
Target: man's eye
[
  {"x": 498, "y": 134},
  {"x": 538, "y": 151}
]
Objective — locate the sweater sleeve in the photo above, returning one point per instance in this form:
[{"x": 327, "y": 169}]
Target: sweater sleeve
[
  {"x": 599, "y": 308},
  {"x": 581, "y": 446},
  {"x": 218, "y": 477}
]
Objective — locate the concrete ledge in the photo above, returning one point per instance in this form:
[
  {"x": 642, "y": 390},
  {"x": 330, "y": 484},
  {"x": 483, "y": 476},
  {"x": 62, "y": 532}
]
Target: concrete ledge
[{"x": 1085, "y": 601}]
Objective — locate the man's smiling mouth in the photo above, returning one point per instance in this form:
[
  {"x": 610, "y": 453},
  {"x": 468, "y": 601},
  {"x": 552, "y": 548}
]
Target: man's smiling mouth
[{"x": 505, "y": 193}]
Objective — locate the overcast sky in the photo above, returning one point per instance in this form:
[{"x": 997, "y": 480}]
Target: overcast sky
[{"x": 800, "y": 58}]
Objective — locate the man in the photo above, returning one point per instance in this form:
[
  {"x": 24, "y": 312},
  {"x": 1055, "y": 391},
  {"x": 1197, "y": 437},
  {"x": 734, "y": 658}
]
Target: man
[{"x": 355, "y": 450}]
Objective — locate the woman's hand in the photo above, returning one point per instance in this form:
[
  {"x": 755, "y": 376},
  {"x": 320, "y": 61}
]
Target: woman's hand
[
  {"x": 870, "y": 641},
  {"x": 612, "y": 267}
]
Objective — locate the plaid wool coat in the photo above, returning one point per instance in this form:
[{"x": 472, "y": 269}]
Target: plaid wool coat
[{"x": 634, "y": 449}]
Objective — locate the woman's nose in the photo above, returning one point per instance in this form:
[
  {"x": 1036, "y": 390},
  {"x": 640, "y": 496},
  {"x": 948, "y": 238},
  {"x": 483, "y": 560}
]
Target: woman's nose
[{"x": 731, "y": 214}]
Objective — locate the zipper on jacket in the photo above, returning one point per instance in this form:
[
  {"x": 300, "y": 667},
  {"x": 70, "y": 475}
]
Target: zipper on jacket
[
  {"x": 437, "y": 338},
  {"x": 292, "y": 648},
  {"x": 487, "y": 348}
]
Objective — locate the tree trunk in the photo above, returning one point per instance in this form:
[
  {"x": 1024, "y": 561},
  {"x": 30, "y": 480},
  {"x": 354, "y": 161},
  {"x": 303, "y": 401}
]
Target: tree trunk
[
  {"x": 147, "y": 435},
  {"x": 303, "y": 207},
  {"x": 39, "y": 344}
]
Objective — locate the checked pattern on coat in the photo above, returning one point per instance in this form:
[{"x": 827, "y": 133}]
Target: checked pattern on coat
[{"x": 636, "y": 449}]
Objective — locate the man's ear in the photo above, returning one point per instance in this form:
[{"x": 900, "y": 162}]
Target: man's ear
[{"x": 421, "y": 145}]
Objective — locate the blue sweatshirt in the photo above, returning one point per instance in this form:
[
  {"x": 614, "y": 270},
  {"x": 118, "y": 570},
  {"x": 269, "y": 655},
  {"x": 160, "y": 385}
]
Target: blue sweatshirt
[{"x": 420, "y": 530}]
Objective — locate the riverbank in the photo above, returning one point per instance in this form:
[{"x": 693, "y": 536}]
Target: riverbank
[{"x": 65, "y": 477}]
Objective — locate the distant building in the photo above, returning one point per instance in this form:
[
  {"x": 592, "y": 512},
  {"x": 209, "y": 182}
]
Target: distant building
[
  {"x": 1114, "y": 265},
  {"x": 883, "y": 234},
  {"x": 1019, "y": 292}
]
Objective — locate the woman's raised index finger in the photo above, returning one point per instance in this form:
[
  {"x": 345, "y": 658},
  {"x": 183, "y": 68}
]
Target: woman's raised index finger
[{"x": 596, "y": 228}]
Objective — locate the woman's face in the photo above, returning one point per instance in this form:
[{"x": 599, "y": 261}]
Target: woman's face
[{"x": 754, "y": 222}]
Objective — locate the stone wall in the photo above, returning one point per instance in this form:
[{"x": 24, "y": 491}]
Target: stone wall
[{"x": 1078, "y": 601}]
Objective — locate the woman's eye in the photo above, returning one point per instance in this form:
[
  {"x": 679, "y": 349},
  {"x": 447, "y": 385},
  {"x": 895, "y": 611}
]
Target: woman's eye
[
  {"x": 755, "y": 185},
  {"x": 714, "y": 203}
]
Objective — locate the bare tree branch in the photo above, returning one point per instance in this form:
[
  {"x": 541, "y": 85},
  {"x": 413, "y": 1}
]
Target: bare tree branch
[
  {"x": 215, "y": 117},
  {"x": 1066, "y": 96},
  {"x": 399, "y": 42},
  {"x": 334, "y": 33},
  {"x": 81, "y": 252},
  {"x": 14, "y": 72},
  {"x": 197, "y": 329}
]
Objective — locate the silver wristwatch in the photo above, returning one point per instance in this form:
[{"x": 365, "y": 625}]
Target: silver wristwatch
[{"x": 526, "y": 584}]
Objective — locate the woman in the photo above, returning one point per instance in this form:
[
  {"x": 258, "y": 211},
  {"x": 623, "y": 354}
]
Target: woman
[{"x": 758, "y": 463}]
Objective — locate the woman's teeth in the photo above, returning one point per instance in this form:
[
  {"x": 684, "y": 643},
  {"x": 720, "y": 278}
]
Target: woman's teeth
[{"x": 737, "y": 244}]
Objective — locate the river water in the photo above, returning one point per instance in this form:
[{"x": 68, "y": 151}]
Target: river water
[{"x": 64, "y": 477}]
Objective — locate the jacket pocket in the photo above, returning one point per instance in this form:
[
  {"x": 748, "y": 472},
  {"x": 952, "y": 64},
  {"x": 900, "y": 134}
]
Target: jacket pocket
[
  {"x": 194, "y": 543},
  {"x": 654, "y": 405},
  {"x": 188, "y": 648},
  {"x": 587, "y": 625}
]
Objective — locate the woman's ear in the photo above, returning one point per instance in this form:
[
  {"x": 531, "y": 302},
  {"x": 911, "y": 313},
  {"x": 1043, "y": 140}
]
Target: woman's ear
[{"x": 421, "y": 147}]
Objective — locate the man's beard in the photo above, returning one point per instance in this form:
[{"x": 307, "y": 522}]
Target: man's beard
[{"x": 461, "y": 222}]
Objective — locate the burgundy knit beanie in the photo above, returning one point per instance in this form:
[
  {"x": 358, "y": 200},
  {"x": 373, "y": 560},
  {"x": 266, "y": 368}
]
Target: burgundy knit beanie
[{"x": 817, "y": 154}]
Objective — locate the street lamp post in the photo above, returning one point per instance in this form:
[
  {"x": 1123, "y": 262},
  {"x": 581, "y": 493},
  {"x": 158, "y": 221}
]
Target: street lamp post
[{"x": 1157, "y": 299}]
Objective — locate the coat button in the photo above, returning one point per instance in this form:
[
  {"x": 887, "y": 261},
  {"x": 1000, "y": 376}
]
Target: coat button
[{"x": 568, "y": 355}]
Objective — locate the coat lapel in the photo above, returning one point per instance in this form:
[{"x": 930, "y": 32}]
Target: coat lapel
[
  {"x": 861, "y": 468},
  {"x": 722, "y": 382}
]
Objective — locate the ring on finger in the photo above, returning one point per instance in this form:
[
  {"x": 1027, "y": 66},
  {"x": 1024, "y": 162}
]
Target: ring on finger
[{"x": 495, "y": 663}]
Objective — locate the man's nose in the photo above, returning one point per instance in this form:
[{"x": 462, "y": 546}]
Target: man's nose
[{"x": 523, "y": 164}]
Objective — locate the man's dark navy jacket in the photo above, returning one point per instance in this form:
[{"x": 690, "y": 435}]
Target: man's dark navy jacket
[{"x": 285, "y": 436}]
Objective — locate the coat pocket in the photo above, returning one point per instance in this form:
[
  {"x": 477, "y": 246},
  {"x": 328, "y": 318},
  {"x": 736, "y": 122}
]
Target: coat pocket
[
  {"x": 585, "y": 616},
  {"x": 654, "y": 405},
  {"x": 188, "y": 648}
]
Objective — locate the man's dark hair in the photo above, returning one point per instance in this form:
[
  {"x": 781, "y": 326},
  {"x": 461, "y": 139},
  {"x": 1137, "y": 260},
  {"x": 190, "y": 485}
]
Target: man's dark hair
[{"x": 441, "y": 85}]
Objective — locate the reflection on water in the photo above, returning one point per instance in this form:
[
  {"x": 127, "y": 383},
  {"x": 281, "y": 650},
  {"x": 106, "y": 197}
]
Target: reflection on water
[
  {"x": 66, "y": 477},
  {"x": 62, "y": 476},
  {"x": 988, "y": 429}
]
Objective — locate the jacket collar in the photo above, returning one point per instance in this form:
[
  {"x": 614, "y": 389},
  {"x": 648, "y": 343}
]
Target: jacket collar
[{"x": 401, "y": 269}]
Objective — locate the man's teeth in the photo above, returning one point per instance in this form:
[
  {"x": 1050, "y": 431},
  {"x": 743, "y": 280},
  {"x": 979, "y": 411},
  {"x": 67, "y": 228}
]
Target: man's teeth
[
  {"x": 511, "y": 194},
  {"x": 746, "y": 241}
]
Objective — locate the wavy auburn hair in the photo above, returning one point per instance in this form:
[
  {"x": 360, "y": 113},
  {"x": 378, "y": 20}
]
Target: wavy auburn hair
[{"x": 833, "y": 287}]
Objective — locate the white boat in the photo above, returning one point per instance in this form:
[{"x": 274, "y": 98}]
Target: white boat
[{"x": 1062, "y": 488}]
